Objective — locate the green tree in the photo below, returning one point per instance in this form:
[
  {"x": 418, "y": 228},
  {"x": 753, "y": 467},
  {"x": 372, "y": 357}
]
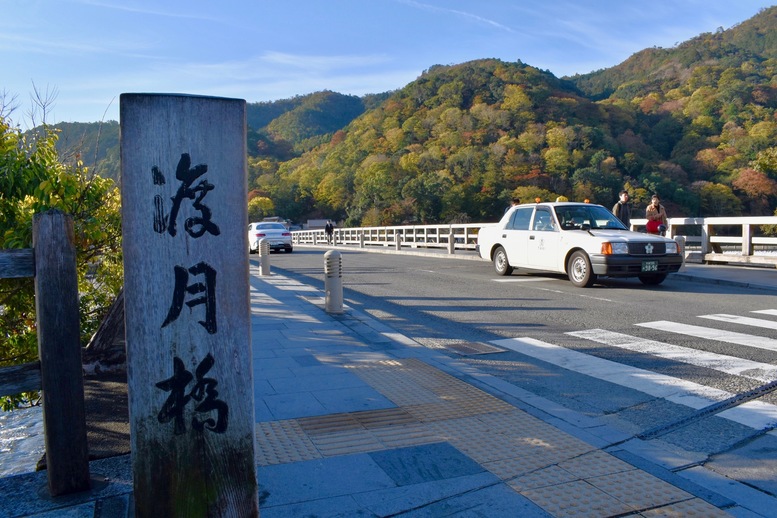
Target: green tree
[
  {"x": 717, "y": 200},
  {"x": 33, "y": 179},
  {"x": 260, "y": 207}
]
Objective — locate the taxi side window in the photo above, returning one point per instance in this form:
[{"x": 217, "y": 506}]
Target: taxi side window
[
  {"x": 543, "y": 220},
  {"x": 520, "y": 219}
]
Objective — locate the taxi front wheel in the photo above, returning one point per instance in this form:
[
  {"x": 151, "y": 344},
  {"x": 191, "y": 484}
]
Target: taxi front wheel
[{"x": 579, "y": 270}]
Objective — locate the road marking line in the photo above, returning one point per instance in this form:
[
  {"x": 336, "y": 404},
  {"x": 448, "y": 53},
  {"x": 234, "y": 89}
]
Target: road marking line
[
  {"x": 766, "y": 312},
  {"x": 747, "y": 321},
  {"x": 727, "y": 364},
  {"x": 713, "y": 334},
  {"x": 754, "y": 414},
  {"x": 525, "y": 279}
]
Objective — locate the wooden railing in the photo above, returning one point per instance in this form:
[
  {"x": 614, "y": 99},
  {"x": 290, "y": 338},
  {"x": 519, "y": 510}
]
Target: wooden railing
[
  {"x": 59, "y": 372},
  {"x": 708, "y": 240}
]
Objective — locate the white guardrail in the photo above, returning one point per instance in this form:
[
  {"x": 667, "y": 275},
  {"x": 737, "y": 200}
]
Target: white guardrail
[{"x": 718, "y": 239}]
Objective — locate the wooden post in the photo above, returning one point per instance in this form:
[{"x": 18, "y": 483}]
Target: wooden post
[
  {"x": 59, "y": 348},
  {"x": 187, "y": 310}
]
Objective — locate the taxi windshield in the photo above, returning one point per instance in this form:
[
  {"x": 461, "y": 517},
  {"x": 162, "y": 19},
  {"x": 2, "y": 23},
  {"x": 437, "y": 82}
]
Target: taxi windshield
[{"x": 572, "y": 217}]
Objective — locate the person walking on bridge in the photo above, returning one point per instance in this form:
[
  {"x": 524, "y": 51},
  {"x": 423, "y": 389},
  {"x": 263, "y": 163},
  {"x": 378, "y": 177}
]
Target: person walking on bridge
[{"x": 329, "y": 229}]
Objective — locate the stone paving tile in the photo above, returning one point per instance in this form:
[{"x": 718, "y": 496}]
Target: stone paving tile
[
  {"x": 425, "y": 463},
  {"x": 290, "y": 406},
  {"x": 353, "y": 399},
  {"x": 319, "y": 479},
  {"x": 422, "y": 497},
  {"x": 307, "y": 380},
  {"x": 495, "y": 500},
  {"x": 335, "y": 507}
]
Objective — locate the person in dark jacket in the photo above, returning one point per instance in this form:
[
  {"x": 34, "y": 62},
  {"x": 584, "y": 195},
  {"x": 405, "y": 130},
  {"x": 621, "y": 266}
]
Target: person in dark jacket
[
  {"x": 329, "y": 229},
  {"x": 622, "y": 209}
]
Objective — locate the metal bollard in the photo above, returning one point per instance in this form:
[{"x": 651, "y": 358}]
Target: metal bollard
[
  {"x": 451, "y": 243},
  {"x": 333, "y": 281},
  {"x": 680, "y": 240},
  {"x": 264, "y": 257},
  {"x": 361, "y": 239},
  {"x": 398, "y": 240},
  {"x": 315, "y": 238}
]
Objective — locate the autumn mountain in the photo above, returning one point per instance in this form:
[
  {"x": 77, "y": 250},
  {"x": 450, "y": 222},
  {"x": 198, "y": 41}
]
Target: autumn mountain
[{"x": 695, "y": 123}]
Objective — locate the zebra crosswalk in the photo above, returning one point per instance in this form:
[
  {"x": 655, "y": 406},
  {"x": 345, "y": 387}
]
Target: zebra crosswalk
[{"x": 755, "y": 414}]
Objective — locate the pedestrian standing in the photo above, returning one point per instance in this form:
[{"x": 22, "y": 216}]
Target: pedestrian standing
[
  {"x": 622, "y": 209},
  {"x": 329, "y": 229},
  {"x": 513, "y": 203},
  {"x": 656, "y": 216}
]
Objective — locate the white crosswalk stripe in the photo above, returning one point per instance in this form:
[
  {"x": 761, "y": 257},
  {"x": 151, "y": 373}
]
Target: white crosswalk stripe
[
  {"x": 747, "y": 321},
  {"x": 765, "y": 372},
  {"x": 708, "y": 333},
  {"x": 766, "y": 312},
  {"x": 755, "y": 414}
]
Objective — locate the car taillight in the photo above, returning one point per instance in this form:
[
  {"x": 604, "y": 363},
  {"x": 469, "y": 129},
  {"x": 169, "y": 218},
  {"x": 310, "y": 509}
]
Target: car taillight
[
  {"x": 259, "y": 234},
  {"x": 286, "y": 234}
]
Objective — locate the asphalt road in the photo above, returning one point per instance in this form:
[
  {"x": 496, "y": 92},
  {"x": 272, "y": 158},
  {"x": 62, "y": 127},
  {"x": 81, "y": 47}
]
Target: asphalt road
[{"x": 580, "y": 347}]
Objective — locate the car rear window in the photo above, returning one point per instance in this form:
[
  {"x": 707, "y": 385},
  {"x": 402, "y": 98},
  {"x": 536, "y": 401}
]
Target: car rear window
[{"x": 520, "y": 219}]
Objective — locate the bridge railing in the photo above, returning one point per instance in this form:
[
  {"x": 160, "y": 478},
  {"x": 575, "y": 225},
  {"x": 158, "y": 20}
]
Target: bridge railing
[
  {"x": 714, "y": 239},
  {"x": 463, "y": 236}
]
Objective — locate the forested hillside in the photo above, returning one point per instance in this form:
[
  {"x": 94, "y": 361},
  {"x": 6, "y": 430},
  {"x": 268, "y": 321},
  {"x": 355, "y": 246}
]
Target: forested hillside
[{"x": 695, "y": 123}]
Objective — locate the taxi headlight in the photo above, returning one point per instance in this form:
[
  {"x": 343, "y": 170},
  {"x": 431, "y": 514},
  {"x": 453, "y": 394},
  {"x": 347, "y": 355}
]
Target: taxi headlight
[
  {"x": 615, "y": 248},
  {"x": 671, "y": 248}
]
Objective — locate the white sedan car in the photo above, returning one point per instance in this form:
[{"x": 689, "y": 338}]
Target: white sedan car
[
  {"x": 581, "y": 240},
  {"x": 276, "y": 233}
]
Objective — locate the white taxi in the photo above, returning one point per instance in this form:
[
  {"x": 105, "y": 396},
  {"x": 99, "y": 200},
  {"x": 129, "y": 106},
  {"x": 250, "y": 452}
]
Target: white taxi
[{"x": 582, "y": 240}]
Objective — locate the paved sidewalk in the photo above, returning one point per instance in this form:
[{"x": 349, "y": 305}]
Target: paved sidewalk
[{"x": 355, "y": 419}]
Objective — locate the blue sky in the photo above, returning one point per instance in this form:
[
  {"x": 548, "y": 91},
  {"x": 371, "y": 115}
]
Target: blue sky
[{"x": 88, "y": 52}]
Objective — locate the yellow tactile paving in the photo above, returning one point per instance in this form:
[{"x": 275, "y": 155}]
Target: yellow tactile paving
[
  {"x": 405, "y": 435},
  {"x": 385, "y": 418},
  {"x": 693, "y": 508},
  {"x": 638, "y": 489},
  {"x": 576, "y": 499},
  {"x": 432, "y": 412},
  {"x": 328, "y": 424},
  {"x": 513, "y": 467},
  {"x": 346, "y": 442},
  {"x": 595, "y": 464},
  {"x": 550, "y": 476},
  {"x": 560, "y": 473},
  {"x": 279, "y": 442}
]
